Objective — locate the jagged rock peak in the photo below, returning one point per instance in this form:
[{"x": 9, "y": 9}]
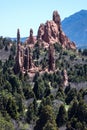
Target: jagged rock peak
[
  {"x": 40, "y": 31},
  {"x": 31, "y": 39},
  {"x": 48, "y": 32},
  {"x": 51, "y": 32},
  {"x": 31, "y": 32},
  {"x": 18, "y": 36},
  {"x": 56, "y": 17}
]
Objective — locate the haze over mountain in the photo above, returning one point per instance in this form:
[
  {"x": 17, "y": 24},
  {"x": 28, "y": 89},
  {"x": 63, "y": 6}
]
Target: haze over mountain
[{"x": 75, "y": 27}]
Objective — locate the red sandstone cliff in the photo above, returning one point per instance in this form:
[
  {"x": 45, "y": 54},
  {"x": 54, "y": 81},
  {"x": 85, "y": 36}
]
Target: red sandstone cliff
[{"x": 51, "y": 32}]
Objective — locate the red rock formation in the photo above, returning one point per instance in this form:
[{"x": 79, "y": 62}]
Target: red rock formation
[
  {"x": 48, "y": 34},
  {"x": 40, "y": 32},
  {"x": 23, "y": 60},
  {"x": 18, "y": 36},
  {"x": 26, "y": 59},
  {"x": 19, "y": 60},
  {"x": 31, "y": 39},
  {"x": 57, "y": 20},
  {"x": 30, "y": 59},
  {"x": 51, "y": 32}
]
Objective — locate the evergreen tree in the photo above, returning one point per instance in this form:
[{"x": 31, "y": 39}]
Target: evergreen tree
[
  {"x": 12, "y": 108},
  {"x": 62, "y": 116},
  {"x": 30, "y": 113},
  {"x": 46, "y": 119},
  {"x": 72, "y": 112}
]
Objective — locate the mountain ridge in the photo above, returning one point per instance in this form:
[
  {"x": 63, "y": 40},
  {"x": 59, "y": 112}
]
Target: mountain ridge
[{"x": 75, "y": 27}]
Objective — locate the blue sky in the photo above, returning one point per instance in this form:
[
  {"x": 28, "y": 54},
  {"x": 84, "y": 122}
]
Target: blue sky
[{"x": 26, "y": 14}]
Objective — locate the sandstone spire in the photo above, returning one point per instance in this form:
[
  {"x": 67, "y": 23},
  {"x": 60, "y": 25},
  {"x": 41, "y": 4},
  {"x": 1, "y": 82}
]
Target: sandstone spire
[
  {"x": 40, "y": 32},
  {"x": 31, "y": 39},
  {"x": 56, "y": 18},
  {"x": 18, "y": 64},
  {"x": 30, "y": 59},
  {"x": 18, "y": 36},
  {"x": 26, "y": 59}
]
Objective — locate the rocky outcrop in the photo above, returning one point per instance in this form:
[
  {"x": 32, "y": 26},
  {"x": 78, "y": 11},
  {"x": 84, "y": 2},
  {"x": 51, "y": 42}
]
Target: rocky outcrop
[
  {"x": 56, "y": 18},
  {"x": 51, "y": 32},
  {"x": 31, "y": 39},
  {"x": 48, "y": 34},
  {"x": 18, "y": 36},
  {"x": 23, "y": 60},
  {"x": 19, "y": 55}
]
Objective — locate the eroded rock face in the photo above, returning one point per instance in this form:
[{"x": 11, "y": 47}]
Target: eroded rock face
[
  {"x": 48, "y": 32},
  {"x": 56, "y": 18},
  {"x": 23, "y": 60},
  {"x": 41, "y": 32},
  {"x": 18, "y": 36},
  {"x": 51, "y": 32},
  {"x": 31, "y": 39}
]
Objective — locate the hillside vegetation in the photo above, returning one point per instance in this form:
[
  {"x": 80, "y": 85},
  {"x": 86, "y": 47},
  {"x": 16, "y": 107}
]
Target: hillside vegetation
[{"x": 43, "y": 102}]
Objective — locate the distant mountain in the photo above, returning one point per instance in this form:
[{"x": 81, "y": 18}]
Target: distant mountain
[
  {"x": 75, "y": 27},
  {"x": 23, "y": 39}
]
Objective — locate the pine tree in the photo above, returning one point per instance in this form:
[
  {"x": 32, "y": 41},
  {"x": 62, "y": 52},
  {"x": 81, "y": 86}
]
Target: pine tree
[
  {"x": 62, "y": 116},
  {"x": 46, "y": 120}
]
